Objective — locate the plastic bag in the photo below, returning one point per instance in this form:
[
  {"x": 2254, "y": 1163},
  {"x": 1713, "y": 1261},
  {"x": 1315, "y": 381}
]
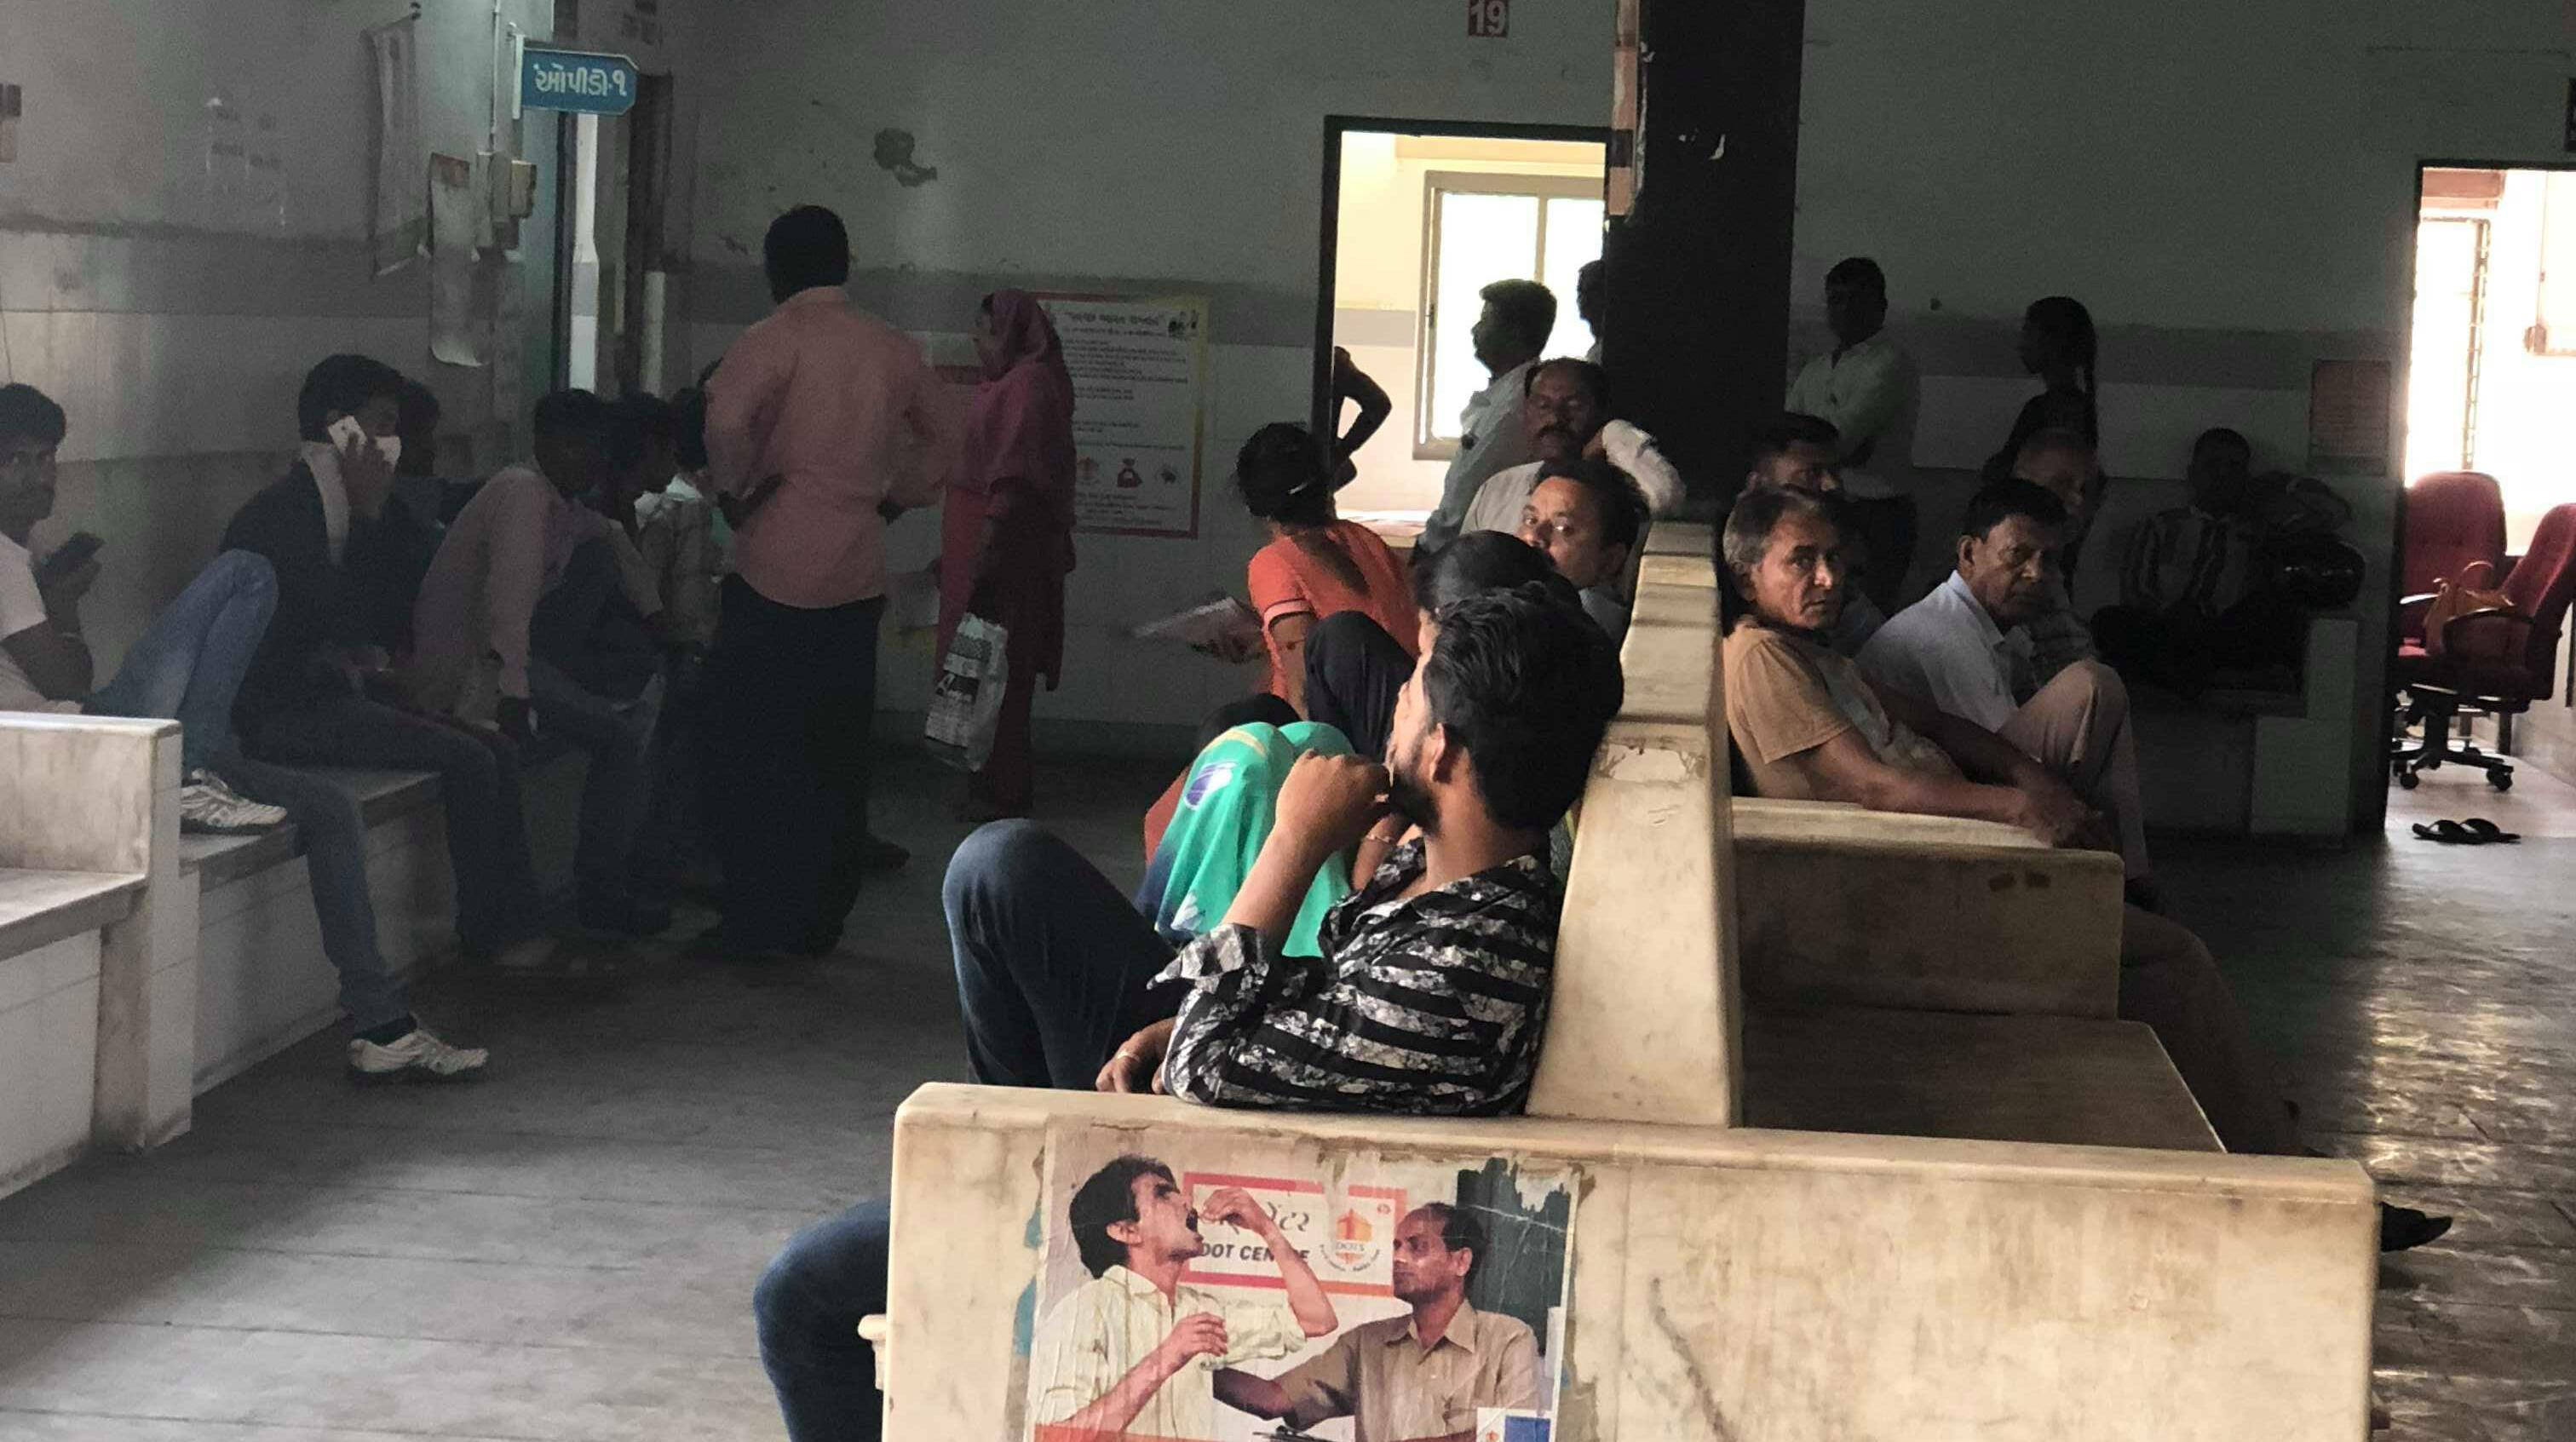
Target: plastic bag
[{"x": 966, "y": 699}]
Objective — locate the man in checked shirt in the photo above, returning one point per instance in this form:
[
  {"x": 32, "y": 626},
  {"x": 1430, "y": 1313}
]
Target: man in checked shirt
[{"x": 1430, "y": 998}]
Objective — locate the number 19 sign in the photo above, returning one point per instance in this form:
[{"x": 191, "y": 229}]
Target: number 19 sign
[
  {"x": 576, "y": 80},
  {"x": 1489, "y": 19}
]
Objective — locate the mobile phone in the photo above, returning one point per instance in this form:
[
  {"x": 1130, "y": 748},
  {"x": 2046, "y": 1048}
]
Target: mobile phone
[
  {"x": 68, "y": 557},
  {"x": 345, "y": 431}
]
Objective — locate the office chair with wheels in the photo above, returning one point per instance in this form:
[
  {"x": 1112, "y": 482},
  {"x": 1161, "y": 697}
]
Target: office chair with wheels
[
  {"x": 2453, "y": 518},
  {"x": 2495, "y": 662}
]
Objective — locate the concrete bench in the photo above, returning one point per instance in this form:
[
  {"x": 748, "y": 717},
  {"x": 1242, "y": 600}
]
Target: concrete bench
[
  {"x": 138, "y": 968},
  {"x": 97, "y": 983},
  {"x": 1767, "y": 1221},
  {"x": 1725, "y": 1284},
  {"x": 263, "y": 981}
]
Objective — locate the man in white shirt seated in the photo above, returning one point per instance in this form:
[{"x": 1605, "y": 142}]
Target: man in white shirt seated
[
  {"x": 1519, "y": 316},
  {"x": 1566, "y": 415},
  {"x": 1584, "y": 517},
  {"x": 1962, "y": 649},
  {"x": 1867, "y": 389}
]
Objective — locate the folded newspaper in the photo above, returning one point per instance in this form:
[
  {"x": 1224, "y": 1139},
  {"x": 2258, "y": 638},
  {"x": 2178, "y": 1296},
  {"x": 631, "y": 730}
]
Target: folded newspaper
[{"x": 1202, "y": 625}]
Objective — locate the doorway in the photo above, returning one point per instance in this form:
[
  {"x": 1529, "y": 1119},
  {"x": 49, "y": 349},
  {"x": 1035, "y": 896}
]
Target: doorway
[
  {"x": 1419, "y": 216},
  {"x": 2493, "y": 357}
]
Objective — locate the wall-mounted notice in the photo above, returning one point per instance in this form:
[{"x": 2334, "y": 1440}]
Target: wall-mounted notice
[
  {"x": 2348, "y": 408},
  {"x": 398, "y": 208},
  {"x": 1139, "y": 367}
]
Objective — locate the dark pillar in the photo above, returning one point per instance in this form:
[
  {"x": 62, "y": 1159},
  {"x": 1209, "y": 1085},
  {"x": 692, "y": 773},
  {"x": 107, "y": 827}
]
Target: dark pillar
[{"x": 1696, "y": 335}]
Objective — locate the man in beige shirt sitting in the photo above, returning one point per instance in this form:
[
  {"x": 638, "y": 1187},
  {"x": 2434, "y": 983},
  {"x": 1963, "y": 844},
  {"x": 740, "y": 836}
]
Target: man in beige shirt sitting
[
  {"x": 1418, "y": 1377},
  {"x": 1810, "y": 726}
]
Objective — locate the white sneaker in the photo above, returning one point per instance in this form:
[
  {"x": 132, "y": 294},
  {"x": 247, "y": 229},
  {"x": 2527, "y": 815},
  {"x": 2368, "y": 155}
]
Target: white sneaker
[
  {"x": 208, "y": 803},
  {"x": 417, "y": 1056}
]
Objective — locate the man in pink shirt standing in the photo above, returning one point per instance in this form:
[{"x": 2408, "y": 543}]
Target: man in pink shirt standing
[{"x": 818, "y": 431}]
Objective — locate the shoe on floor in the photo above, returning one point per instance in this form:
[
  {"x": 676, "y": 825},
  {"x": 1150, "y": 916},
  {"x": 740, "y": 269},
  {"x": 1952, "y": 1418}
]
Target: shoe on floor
[
  {"x": 623, "y": 916},
  {"x": 415, "y": 1056},
  {"x": 2404, "y": 1227},
  {"x": 878, "y": 854},
  {"x": 207, "y": 803}
]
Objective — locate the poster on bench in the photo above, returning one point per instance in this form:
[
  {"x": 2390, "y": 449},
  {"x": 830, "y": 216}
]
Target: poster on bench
[{"x": 1224, "y": 1291}]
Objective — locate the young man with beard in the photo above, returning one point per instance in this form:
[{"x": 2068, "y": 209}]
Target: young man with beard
[
  {"x": 1135, "y": 1351},
  {"x": 1421, "y": 1375},
  {"x": 1430, "y": 996}
]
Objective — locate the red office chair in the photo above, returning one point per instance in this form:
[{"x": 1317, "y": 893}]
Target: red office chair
[
  {"x": 2452, "y": 519},
  {"x": 2497, "y": 662}
]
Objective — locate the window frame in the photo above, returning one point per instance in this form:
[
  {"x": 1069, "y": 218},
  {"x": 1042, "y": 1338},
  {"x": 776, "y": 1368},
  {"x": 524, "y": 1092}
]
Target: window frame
[{"x": 1427, "y": 444}]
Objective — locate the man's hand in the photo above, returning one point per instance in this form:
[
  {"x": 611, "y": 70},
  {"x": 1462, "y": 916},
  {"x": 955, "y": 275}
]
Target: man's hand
[
  {"x": 1329, "y": 802},
  {"x": 1598, "y": 448},
  {"x": 2053, "y": 813},
  {"x": 1198, "y": 1334},
  {"x": 1236, "y": 1208},
  {"x": 739, "y": 509},
  {"x": 517, "y": 718},
  {"x": 366, "y": 475},
  {"x": 62, "y": 594},
  {"x": 1138, "y": 1064}
]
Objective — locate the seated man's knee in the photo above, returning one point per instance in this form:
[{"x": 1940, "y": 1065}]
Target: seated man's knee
[
  {"x": 2098, "y": 678},
  {"x": 994, "y": 852},
  {"x": 247, "y": 572}
]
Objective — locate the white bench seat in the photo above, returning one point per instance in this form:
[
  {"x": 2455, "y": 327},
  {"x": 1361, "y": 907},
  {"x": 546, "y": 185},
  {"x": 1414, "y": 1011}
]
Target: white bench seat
[
  {"x": 2068, "y": 1080},
  {"x": 39, "y": 908}
]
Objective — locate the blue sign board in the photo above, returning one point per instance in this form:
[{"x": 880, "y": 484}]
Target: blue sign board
[{"x": 577, "y": 80}]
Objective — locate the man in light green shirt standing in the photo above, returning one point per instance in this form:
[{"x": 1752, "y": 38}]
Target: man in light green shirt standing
[{"x": 1133, "y": 1352}]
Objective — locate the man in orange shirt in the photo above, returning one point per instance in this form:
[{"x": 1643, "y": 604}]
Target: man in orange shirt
[{"x": 818, "y": 432}]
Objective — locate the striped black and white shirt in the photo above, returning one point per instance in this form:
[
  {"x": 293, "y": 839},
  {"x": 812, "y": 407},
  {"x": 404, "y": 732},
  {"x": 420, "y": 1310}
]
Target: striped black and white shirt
[{"x": 1434, "y": 1005}]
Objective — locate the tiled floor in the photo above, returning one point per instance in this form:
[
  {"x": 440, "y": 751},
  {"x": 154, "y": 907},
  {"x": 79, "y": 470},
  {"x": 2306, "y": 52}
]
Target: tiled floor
[{"x": 567, "y": 1251}]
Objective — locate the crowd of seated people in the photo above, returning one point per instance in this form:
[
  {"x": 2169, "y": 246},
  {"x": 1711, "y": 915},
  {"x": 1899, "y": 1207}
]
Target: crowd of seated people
[
  {"x": 360, "y": 612},
  {"x": 1353, "y": 890}
]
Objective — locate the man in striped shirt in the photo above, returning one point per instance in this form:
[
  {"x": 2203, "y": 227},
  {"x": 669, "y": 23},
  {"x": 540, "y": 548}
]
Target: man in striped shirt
[{"x": 1431, "y": 995}]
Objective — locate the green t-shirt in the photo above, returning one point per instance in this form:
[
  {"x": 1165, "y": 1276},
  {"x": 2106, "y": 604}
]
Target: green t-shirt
[{"x": 1226, "y": 811}]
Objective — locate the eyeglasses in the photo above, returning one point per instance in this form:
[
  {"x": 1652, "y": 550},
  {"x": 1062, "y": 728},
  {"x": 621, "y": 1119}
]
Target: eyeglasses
[{"x": 34, "y": 458}]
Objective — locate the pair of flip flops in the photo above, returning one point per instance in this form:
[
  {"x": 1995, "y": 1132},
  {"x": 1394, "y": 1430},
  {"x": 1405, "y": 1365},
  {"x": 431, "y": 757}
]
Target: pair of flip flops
[{"x": 2476, "y": 831}]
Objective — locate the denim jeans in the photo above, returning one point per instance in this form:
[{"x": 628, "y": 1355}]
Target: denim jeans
[
  {"x": 326, "y": 815},
  {"x": 616, "y": 735},
  {"x": 1053, "y": 964},
  {"x": 478, "y": 783},
  {"x": 190, "y": 661},
  {"x": 1053, "y": 967},
  {"x": 795, "y": 699},
  {"x": 808, "y": 1307}
]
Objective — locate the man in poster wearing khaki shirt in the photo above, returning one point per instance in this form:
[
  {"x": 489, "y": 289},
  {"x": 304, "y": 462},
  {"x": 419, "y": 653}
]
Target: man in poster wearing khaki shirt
[{"x": 1416, "y": 1378}]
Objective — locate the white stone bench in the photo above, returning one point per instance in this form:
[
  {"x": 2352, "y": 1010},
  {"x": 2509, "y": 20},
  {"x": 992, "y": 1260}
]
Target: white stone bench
[
  {"x": 1738, "y": 1284},
  {"x": 1830, "y": 1221},
  {"x": 263, "y": 981},
  {"x": 97, "y": 983},
  {"x": 138, "y": 968}
]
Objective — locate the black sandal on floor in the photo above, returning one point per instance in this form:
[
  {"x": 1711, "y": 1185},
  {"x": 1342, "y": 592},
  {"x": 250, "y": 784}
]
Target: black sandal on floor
[
  {"x": 2486, "y": 831},
  {"x": 2449, "y": 833}
]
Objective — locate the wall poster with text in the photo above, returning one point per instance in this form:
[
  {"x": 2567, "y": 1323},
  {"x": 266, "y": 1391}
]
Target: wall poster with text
[
  {"x": 1139, "y": 367},
  {"x": 1215, "y": 1292}
]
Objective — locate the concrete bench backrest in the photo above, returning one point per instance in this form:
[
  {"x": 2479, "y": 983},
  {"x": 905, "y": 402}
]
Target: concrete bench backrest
[
  {"x": 1644, "y": 1021},
  {"x": 77, "y": 792},
  {"x": 1735, "y": 1284}
]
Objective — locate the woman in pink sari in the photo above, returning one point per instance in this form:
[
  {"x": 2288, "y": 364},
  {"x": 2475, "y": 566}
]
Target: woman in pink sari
[{"x": 1006, "y": 538}]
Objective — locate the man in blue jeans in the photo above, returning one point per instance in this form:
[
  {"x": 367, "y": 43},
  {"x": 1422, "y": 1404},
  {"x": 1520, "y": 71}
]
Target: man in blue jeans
[
  {"x": 1064, "y": 984},
  {"x": 319, "y": 692},
  {"x": 188, "y": 666}
]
